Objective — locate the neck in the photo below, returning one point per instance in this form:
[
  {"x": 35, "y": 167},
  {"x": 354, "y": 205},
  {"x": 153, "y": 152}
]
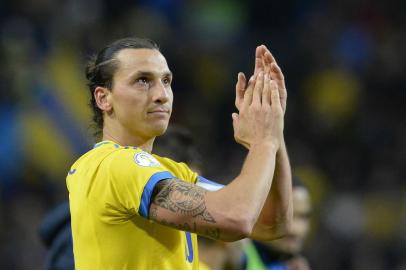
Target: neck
[{"x": 127, "y": 139}]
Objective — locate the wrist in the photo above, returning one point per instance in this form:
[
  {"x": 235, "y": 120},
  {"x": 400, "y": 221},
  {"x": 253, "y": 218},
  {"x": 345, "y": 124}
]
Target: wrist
[
  {"x": 267, "y": 146},
  {"x": 282, "y": 146}
]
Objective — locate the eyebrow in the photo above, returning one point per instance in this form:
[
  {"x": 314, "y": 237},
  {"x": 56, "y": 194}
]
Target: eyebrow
[{"x": 150, "y": 74}]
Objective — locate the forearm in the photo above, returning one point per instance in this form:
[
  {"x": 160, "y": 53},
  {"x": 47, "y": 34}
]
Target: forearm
[
  {"x": 277, "y": 213},
  {"x": 280, "y": 197},
  {"x": 228, "y": 214},
  {"x": 239, "y": 204}
]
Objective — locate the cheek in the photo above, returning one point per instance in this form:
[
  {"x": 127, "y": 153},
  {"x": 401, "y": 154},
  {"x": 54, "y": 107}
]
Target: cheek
[
  {"x": 127, "y": 102},
  {"x": 170, "y": 94},
  {"x": 124, "y": 106}
]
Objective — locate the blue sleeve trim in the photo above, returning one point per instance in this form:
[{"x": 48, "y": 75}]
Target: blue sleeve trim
[
  {"x": 208, "y": 184},
  {"x": 148, "y": 189}
]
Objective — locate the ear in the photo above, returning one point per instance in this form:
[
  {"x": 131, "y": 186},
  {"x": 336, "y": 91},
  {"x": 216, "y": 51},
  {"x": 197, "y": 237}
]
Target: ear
[{"x": 102, "y": 95}]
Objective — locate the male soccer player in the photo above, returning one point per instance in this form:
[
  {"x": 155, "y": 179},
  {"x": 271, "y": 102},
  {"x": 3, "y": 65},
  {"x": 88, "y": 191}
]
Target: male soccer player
[
  {"x": 55, "y": 230},
  {"x": 131, "y": 209}
]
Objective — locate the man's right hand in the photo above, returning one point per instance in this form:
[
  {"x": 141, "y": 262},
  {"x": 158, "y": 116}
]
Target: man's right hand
[{"x": 260, "y": 118}]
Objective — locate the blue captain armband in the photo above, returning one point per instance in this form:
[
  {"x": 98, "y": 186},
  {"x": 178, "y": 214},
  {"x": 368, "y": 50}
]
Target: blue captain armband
[
  {"x": 208, "y": 184},
  {"x": 148, "y": 189}
]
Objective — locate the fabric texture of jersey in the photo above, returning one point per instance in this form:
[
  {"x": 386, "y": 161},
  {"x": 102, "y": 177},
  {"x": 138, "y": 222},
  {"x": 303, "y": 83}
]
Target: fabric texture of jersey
[{"x": 110, "y": 189}]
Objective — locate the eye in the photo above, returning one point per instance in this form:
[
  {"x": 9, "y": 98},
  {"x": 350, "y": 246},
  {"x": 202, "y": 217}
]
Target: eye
[
  {"x": 167, "y": 81},
  {"x": 144, "y": 81}
]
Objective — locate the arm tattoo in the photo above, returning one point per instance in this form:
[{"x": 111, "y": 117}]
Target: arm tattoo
[{"x": 186, "y": 199}]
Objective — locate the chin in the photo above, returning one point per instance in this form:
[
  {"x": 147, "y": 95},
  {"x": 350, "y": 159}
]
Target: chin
[{"x": 160, "y": 130}]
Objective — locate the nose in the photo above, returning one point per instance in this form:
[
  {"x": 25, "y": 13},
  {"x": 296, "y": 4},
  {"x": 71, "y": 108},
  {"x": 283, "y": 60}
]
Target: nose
[{"x": 160, "y": 93}]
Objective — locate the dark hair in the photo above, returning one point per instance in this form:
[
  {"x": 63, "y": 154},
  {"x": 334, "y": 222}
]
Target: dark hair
[{"x": 101, "y": 67}]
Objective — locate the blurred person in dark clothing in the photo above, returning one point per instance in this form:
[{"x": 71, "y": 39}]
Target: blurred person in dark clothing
[
  {"x": 284, "y": 253},
  {"x": 56, "y": 234}
]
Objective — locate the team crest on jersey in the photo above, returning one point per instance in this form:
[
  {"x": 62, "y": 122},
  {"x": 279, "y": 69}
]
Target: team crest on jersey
[{"x": 146, "y": 160}]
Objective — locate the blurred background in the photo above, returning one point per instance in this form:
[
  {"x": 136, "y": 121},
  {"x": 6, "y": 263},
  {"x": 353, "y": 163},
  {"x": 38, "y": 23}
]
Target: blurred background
[{"x": 344, "y": 63}]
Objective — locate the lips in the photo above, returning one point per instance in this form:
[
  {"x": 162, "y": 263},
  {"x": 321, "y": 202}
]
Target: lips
[{"x": 159, "y": 111}]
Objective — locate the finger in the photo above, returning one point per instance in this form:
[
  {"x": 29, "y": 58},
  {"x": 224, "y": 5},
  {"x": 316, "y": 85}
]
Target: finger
[
  {"x": 265, "y": 65},
  {"x": 248, "y": 92},
  {"x": 235, "y": 120},
  {"x": 269, "y": 57},
  {"x": 259, "y": 86},
  {"x": 266, "y": 94},
  {"x": 259, "y": 52},
  {"x": 266, "y": 59},
  {"x": 275, "y": 100},
  {"x": 277, "y": 72},
  {"x": 240, "y": 89}
]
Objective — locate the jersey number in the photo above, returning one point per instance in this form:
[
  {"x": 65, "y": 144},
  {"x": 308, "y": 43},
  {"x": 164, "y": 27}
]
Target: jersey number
[{"x": 189, "y": 247}]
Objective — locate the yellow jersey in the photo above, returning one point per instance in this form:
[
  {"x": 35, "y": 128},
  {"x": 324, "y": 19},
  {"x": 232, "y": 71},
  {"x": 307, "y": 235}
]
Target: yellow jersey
[{"x": 110, "y": 190}]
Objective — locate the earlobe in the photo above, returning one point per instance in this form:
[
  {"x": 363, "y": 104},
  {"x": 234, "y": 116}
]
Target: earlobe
[{"x": 102, "y": 97}]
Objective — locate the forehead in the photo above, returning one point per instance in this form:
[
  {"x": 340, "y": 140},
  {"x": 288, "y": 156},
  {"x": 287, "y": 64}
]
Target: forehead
[{"x": 133, "y": 60}]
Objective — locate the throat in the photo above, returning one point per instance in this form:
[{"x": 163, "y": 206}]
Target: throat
[{"x": 123, "y": 140}]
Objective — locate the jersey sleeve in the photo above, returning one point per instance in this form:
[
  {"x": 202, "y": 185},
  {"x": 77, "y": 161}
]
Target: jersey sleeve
[
  {"x": 186, "y": 174},
  {"x": 183, "y": 172},
  {"x": 179, "y": 169},
  {"x": 208, "y": 184},
  {"x": 133, "y": 175}
]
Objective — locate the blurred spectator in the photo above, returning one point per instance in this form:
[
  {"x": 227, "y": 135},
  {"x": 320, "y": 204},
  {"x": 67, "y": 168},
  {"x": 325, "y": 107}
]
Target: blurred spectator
[
  {"x": 56, "y": 234},
  {"x": 284, "y": 253}
]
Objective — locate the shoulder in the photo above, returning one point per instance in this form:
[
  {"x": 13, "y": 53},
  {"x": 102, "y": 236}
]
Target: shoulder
[
  {"x": 110, "y": 157},
  {"x": 126, "y": 161},
  {"x": 98, "y": 153},
  {"x": 168, "y": 162},
  {"x": 179, "y": 169}
]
